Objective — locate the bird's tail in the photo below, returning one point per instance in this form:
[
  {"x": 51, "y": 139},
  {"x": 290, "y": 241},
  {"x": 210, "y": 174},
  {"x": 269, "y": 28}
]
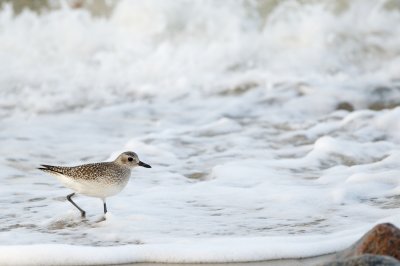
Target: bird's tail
[{"x": 50, "y": 169}]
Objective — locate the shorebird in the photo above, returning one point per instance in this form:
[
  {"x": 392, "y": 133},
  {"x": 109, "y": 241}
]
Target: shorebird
[{"x": 100, "y": 180}]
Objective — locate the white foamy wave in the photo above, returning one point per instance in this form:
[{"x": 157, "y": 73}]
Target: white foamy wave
[
  {"x": 179, "y": 251},
  {"x": 66, "y": 59},
  {"x": 271, "y": 127}
]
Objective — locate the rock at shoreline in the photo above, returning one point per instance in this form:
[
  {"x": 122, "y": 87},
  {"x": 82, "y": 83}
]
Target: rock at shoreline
[
  {"x": 379, "y": 246},
  {"x": 383, "y": 239}
]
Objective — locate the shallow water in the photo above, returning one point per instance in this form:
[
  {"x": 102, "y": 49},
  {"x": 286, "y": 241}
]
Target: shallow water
[{"x": 272, "y": 129}]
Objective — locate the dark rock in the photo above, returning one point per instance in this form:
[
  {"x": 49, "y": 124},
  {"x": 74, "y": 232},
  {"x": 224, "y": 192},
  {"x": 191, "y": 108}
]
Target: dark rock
[
  {"x": 379, "y": 246},
  {"x": 384, "y": 97},
  {"x": 383, "y": 239},
  {"x": 378, "y": 106},
  {"x": 365, "y": 260},
  {"x": 239, "y": 89},
  {"x": 345, "y": 106}
]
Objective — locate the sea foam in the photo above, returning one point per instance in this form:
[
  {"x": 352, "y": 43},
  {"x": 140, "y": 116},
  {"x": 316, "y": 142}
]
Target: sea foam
[{"x": 272, "y": 129}]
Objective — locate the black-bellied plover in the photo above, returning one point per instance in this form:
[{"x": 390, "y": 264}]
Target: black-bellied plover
[{"x": 99, "y": 180}]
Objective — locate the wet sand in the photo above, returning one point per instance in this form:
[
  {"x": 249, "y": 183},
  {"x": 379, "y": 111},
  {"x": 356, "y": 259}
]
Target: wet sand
[{"x": 283, "y": 262}]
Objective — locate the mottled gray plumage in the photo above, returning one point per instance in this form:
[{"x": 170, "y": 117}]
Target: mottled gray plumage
[
  {"x": 107, "y": 172},
  {"x": 100, "y": 180}
]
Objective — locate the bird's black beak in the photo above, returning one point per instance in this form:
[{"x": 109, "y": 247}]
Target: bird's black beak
[{"x": 144, "y": 164}]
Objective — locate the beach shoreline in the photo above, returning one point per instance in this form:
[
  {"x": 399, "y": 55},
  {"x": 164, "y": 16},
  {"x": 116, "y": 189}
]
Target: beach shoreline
[{"x": 317, "y": 260}]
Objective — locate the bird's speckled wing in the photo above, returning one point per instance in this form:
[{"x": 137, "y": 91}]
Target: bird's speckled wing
[{"x": 85, "y": 171}]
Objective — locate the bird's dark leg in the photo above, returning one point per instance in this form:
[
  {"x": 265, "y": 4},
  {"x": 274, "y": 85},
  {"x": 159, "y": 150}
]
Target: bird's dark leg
[
  {"x": 83, "y": 213},
  {"x": 105, "y": 206}
]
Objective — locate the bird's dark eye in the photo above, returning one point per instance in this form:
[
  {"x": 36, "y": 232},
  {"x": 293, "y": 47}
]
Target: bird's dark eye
[{"x": 130, "y": 159}]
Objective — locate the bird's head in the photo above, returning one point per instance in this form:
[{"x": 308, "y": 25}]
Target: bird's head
[{"x": 130, "y": 159}]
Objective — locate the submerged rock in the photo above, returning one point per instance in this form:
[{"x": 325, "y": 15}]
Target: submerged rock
[{"x": 345, "y": 106}]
